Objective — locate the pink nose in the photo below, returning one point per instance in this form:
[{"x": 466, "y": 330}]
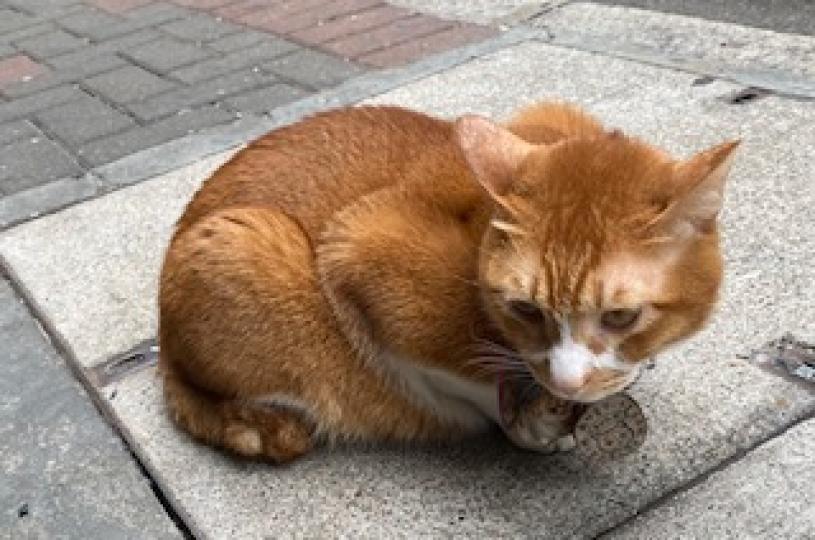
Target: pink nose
[{"x": 568, "y": 385}]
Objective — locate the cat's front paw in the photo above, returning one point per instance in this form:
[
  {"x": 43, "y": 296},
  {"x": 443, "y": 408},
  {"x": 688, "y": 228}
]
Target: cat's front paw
[
  {"x": 543, "y": 423},
  {"x": 540, "y": 433}
]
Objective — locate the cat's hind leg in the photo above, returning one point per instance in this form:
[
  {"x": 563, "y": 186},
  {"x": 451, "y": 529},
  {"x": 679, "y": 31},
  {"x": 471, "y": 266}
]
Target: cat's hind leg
[
  {"x": 249, "y": 429},
  {"x": 240, "y": 315}
]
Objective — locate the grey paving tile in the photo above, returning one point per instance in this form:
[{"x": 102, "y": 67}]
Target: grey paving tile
[
  {"x": 51, "y": 44},
  {"x": 6, "y": 50},
  {"x": 24, "y": 106},
  {"x": 263, "y": 100},
  {"x": 28, "y": 31},
  {"x": 64, "y": 470},
  {"x": 14, "y": 20},
  {"x": 128, "y": 83},
  {"x": 241, "y": 40},
  {"x": 81, "y": 121},
  {"x": 249, "y": 57},
  {"x": 205, "y": 92},
  {"x": 89, "y": 22},
  {"x": 158, "y": 12},
  {"x": 111, "y": 148},
  {"x": 67, "y": 74},
  {"x": 43, "y": 8},
  {"x": 165, "y": 54},
  {"x": 33, "y": 202},
  {"x": 13, "y": 131},
  {"x": 313, "y": 68},
  {"x": 200, "y": 27},
  {"x": 106, "y": 47},
  {"x": 32, "y": 162}
]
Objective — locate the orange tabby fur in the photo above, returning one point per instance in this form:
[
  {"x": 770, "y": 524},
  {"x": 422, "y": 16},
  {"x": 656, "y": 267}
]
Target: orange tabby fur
[{"x": 332, "y": 279}]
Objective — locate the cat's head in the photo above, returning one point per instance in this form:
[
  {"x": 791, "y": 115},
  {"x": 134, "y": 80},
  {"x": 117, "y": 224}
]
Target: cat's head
[{"x": 602, "y": 251}]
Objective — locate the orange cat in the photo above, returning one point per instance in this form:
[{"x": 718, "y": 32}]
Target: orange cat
[{"x": 368, "y": 272}]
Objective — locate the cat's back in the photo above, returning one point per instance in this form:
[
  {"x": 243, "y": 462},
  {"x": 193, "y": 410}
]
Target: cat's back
[{"x": 311, "y": 169}]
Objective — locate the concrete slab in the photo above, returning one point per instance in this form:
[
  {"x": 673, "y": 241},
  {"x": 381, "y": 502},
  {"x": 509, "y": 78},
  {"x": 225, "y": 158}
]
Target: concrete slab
[
  {"x": 64, "y": 471},
  {"x": 118, "y": 240},
  {"x": 704, "y": 404},
  {"x": 536, "y": 72},
  {"x": 714, "y": 46},
  {"x": 768, "y": 494}
]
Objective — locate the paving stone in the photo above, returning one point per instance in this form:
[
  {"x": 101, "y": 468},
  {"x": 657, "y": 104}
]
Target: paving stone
[
  {"x": 351, "y": 24},
  {"x": 424, "y": 46},
  {"x": 766, "y": 494},
  {"x": 242, "y": 40},
  {"x": 241, "y": 11},
  {"x": 391, "y": 34},
  {"x": 244, "y": 58},
  {"x": 14, "y": 131},
  {"x": 31, "y": 162},
  {"x": 11, "y": 20},
  {"x": 127, "y": 84},
  {"x": 33, "y": 202},
  {"x": 280, "y": 22},
  {"x": 18, "y": 68},
  {"x": 89, "y": 21},
  {"x": 107, "y": 47},
  {"x": 51, "y": 44},
  {"x": 157, "y": 13},
  {"x": 100, "y": 25},
  {"x": 68, "y": 74},
  {"x": 43, "y": 8},
  {"x": 65, "y": 472},
  {"x": 312, "y": 68},
  {"x": 263, "y": 100},
  {"x": 204, "y": 4},
  {"x": 119, "y": 6},
  {"x": 81, "y": 121},
  {"x": 111, "y": 148},
  {"x": 154, "y": 205},
  {"x": 204, "y": 92},
  {"x": 200, "y": 28},
  {"x": 165, "y": 54},
  {"x": 28, "y": 31},
  {"x": 24, "y": 106}
]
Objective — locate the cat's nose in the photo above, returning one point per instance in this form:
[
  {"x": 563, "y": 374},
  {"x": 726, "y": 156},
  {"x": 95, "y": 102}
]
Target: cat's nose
[{"x": 568, "y": 385}]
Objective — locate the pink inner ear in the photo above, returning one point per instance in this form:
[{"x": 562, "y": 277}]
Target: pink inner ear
[
  {"x": 492, "y": 152},
  {"x": 702, "y": 180}
]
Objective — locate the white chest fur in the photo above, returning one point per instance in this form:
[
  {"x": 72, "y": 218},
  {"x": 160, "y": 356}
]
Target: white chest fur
[{"x": 469, "y": 404}]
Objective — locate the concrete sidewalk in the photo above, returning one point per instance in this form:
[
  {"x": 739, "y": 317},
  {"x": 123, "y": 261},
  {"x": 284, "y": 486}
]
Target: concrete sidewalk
[{"x": 730, "y": 446}]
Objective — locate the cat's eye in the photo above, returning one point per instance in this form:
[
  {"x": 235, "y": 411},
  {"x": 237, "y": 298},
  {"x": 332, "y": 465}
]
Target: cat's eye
[
  {"x": 617, "y": 320},
  {"x": 524, "y": 310}
]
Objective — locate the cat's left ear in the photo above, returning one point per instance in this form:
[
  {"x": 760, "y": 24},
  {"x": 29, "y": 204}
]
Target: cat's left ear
[
  {"x": 701, "y": 181},
  {"x": 493, "y": 152}
]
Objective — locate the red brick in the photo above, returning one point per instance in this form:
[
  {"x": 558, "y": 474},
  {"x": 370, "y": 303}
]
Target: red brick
[
  {"x": 120, "y": 6},
  {"x": 286, "y": 23},
  {"x": 204, "y": 4},
  {"x": 247, "y": 10},
  {"x": 351, "y": 24},
  {"x": 387, "y": 36},
  {"x": 18, "y": 68},
  {"x": 434, "y": 43}
]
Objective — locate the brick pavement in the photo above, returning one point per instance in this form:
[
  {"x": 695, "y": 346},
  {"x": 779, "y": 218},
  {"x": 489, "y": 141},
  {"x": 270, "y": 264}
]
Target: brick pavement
[{"x": 86, "y": 82}]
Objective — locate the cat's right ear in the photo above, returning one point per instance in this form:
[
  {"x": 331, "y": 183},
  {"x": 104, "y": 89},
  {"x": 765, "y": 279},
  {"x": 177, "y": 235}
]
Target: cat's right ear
[{"x": 493, "y": 153}]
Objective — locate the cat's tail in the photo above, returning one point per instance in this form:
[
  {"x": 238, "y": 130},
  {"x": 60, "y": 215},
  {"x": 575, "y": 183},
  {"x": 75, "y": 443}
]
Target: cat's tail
[
  {"x": 236, "y": 425},
  {"x": 549, "y": 122}
]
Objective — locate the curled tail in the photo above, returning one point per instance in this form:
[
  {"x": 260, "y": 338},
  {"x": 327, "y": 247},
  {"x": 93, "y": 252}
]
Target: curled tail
[{"x": 248, "y": 430}]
